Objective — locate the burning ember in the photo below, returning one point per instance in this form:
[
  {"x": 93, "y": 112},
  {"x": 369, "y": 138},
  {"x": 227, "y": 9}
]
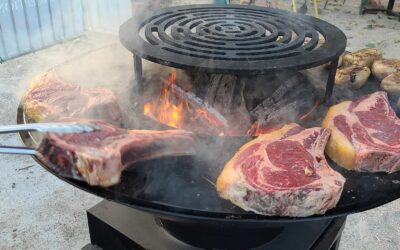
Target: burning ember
[
  {"x": 183, "y": 110},
  {"x": 258, "y": 128},
  {"x": 306, "y": 115}
]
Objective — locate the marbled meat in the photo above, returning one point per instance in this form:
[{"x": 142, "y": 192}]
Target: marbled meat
[
  {"x": 99, "y": 157},
  {"x": 365, "y": 134},
  {"x": 283, "y": 173}
]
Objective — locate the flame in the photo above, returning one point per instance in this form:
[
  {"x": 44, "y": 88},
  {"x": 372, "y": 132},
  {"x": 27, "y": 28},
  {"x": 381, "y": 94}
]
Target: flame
[
  {"x": 258, "y": 129},
  {"x": 167, "y": 112},
  {"x": 148, "y": 109},
  {"x": 306, "y": 115},
  {"x": 174, "y": 110},
  {"x": 200, "y": 113}
]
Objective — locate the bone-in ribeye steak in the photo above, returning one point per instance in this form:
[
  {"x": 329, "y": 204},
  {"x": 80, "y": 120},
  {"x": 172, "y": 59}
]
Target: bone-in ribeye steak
[
  {"x": 49, "y": 98},
  {"x": 99, "y": 157},
  {"x": 283, "y": 173},
  {"x": 365, "y": 134}
]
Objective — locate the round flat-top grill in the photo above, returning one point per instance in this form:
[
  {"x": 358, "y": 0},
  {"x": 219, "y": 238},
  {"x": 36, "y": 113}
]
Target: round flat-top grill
[
  {"x": 182, "y": 189},
  {"x": 232, "y": 40}
]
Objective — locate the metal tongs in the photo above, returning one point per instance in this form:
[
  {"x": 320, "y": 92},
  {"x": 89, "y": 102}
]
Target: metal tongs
[{"x": 61, "y": 128}]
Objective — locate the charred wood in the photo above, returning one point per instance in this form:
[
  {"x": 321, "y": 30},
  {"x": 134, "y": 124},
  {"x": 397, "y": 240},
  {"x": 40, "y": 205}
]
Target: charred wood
[
  {"x": 288, "y": 103},
  {"x": 226, "y": 94},
  {"x": 206, "y": 118},
  {"x": 261, "y": 87}
]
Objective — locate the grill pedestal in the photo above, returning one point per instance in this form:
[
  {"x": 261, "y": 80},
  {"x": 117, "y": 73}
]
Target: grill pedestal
[{"x": 113, "y": 226}]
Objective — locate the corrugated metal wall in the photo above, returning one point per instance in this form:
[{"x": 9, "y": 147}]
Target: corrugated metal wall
[
  {"x": 30, "y": 25},
  {"x": 107, "y": 15}
]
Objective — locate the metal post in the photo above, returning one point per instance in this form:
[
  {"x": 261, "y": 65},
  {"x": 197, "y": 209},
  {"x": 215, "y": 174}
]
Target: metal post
[
  {"x": 390, "y": 5},
  {"x": 137, "y": 61},
  {"x": 331, "y": 81}
]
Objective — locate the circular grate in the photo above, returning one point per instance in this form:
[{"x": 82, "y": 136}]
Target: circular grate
[{"x": 233, "y": 39}]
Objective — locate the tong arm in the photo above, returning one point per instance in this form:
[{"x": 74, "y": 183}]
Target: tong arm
[
  {"x": 49, "y": 127},
  {"x": 17, "y": 150}
]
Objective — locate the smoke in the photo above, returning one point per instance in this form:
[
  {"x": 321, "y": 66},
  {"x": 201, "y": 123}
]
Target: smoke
[{"x": 187, "y": 182}]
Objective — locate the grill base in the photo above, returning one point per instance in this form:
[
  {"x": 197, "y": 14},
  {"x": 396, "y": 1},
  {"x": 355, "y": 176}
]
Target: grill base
[{"x": 113, "y": 226}]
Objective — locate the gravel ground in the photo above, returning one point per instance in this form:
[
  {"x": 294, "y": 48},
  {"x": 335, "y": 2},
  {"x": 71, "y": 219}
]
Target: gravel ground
[{"x": 37, "y": 211}]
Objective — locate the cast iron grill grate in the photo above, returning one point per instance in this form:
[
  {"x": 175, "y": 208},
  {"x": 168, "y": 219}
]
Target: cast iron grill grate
[{"x": 233, "y": 39}]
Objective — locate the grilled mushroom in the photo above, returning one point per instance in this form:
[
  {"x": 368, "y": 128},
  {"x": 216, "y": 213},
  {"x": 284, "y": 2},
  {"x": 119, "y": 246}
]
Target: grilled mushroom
[
  {"x": 363, "y": 57},
  {"x": 385, "y": 67},
  {"x": 392, "y": 84},
  {"x": 353, "y": 76}
]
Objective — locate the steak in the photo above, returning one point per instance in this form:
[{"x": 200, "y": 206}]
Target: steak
[
  {"x": 49, "y": 98},
  {"x": 283, "y": 173},
  {"x": 365, "y": 134},
  {"x": 99, "y": 157}
]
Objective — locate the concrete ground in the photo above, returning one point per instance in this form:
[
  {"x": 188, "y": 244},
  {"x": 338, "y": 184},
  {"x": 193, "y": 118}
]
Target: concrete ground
[{"x": 38, "y": 211}]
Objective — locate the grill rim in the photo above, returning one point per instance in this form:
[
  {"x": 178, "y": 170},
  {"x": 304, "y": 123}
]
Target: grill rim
[{"x": 177, "y": 213}]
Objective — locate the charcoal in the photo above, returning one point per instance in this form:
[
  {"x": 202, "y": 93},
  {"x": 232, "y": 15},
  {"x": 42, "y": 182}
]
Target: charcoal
[
  {"x": 290, "y": 101},
  {"x": 226, "y": 95}
]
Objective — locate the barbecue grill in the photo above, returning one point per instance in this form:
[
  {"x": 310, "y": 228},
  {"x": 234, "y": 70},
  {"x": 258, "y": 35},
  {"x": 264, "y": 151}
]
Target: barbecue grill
[{"x": 171, "y": 203}]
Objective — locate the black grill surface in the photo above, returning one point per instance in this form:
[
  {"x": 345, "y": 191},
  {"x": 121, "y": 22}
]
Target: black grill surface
[{"x": 233, "y": 39}]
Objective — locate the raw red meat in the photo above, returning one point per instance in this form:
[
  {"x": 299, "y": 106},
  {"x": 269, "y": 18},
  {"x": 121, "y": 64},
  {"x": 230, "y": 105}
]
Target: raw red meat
[
  {"x": 99, "y": 157},
  {"x": 283, "y": 173},
  {"x": 365, "y": 134},
  {"x": 49, "y": 98}
]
